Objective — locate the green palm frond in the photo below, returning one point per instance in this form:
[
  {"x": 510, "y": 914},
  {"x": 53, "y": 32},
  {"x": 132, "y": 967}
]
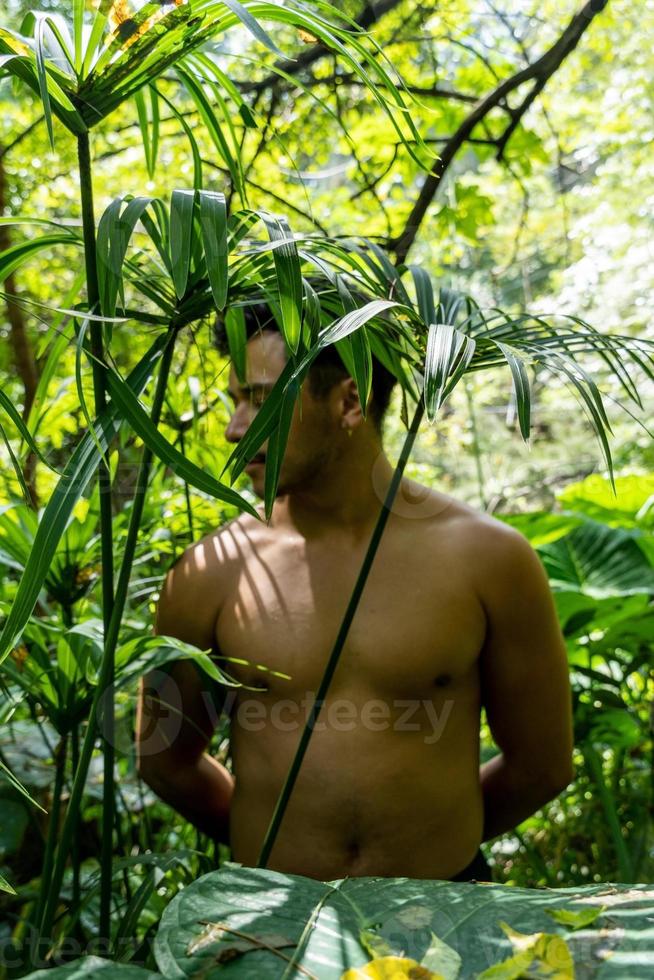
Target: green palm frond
[
  {"x": 81, "y": 73},
  {"x": 349, "y": 295}
]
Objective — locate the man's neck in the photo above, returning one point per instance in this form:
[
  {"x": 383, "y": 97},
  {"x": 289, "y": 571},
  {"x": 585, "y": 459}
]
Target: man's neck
[{"x": 345, "y": 500}]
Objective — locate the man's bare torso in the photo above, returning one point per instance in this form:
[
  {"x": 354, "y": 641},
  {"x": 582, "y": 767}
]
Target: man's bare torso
[{"x": 390, "y": 783}]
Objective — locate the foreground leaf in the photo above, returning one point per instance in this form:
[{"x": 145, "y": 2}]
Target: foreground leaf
[{"x": 405, "y": 912}]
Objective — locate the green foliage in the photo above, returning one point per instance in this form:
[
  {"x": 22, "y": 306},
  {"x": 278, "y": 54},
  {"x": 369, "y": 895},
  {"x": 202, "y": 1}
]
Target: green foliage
[{"x": 604, "y": 588}]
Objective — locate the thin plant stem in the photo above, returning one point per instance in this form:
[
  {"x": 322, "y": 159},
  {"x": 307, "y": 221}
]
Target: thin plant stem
[
  {"x": 593, "y": 762},
  {"x": 334, "y": 657},
  {"x": 75, "y": 850},
  {"x": 187, "y": 492},
  {"x": 111, "y": 640},
  {"x": 53, "y": 823},
  {"x": 106, "y": 537},
  {"x": 476, "y": 446}
]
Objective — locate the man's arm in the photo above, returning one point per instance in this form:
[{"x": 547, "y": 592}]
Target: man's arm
[
  {"x": 175, "y": 714},
  {"x": 525, "y": 684}
]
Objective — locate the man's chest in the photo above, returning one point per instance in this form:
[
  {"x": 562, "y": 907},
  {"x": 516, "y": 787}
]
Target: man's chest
[{"x": 416, "y": 626}]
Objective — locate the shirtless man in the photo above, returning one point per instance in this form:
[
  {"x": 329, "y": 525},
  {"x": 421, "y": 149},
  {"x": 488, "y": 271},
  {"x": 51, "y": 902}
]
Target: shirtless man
[{"x": 457, "y": 614}]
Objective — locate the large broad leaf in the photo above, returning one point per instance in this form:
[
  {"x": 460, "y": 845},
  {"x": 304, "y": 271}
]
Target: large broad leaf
[
  {"x": 542, "y": 527},
  {"x": 598, "y": 561},
  {"x": 91, "y": 966},
  {"x": 632, "y": 503},
  {"x": 323, "y": 924}
]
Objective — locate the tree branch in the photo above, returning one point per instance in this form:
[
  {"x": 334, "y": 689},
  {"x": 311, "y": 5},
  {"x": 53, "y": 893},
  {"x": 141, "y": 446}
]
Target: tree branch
[
  {"x": 424, "y": 91},
  {"x": 8, "y": 147},
  {"x": 517, "y": 114},
  {"x": 541, "y": 70}
]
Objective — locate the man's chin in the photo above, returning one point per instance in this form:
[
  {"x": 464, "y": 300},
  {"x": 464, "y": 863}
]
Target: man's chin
[{"x": 258, "y": 480}]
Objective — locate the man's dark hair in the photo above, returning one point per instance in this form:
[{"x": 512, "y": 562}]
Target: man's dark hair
[{"x": 327, "y": 369}]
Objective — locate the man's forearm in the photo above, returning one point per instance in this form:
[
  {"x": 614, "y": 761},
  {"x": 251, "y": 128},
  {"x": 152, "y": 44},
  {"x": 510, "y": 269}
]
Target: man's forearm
[
  {"x": 512, "y": 794},
  {"x": 201, "y": 793}
]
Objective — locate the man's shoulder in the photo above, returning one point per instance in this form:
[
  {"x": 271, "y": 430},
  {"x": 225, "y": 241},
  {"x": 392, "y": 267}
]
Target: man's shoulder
[
  {"x": 474, "y": 533},
  {"x": 199, "y": 580},
  {"x": 219, "y": 549}
]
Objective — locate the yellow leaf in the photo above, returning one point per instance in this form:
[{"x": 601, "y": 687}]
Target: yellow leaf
[
  {"x": 511, "y": 969},
  {"x": 522, "y": 942},
  {"x": 391, "y": 968},
  {"x": 576, "y": 920},
  {"x": 548, "y": 955},
  {"x": 553, "y": 959},
  {"x": 306, "y": 37}
]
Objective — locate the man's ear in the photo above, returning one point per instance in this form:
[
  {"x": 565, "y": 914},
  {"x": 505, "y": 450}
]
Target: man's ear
[{"x": 349, "y": 403}]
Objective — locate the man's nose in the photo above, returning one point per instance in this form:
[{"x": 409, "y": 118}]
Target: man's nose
[{"x": 239, "y": 423}]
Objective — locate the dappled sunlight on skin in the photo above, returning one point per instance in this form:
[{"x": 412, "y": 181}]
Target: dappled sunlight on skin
[
  {"x": 390, "y": 783},
  {"x": 286, "y": 621}
]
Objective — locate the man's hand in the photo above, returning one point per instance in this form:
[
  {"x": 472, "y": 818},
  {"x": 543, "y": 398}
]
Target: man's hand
[
  {"x": 525, "y": 683},
  {"x": 176, "y": 715}
]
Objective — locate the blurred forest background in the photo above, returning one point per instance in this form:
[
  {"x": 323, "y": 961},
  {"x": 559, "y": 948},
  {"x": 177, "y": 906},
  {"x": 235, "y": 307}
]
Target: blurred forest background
[{"x": 546, "y": 205}]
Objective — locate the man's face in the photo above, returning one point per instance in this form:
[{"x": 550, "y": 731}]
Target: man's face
[{"x": 313, "y": 440}]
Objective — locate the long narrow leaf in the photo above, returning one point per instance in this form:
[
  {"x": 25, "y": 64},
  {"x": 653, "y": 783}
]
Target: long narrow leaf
[
  {"x": 444, "y": 344},
  {"x": 12, "y": 258},
  {"x": 181, "y": 229},
  {"x": 213, "y": 225},
  {"x": 289, "y": 277},
  {"x": 520, "y": 385},
  {"x": 75, "y": 478},
  {"x": 263, "y": 423},
  {"x": 78, "y": 34},
  {"x": 253, "y": 26},
  {"x": 236, "y": 340},
  {"x": 16, "y": 465},
  {"x": 424, "y": 294},
  {"x": 17, "y": 785},
  {"x": 128, "y": 405},
  {"x": 115, "y": 230},
  {"x": 277, "y": 445},
  {"x": 355, "y": 351},
  {"x": 8, "y": 406},
  {"x": 347, "y": 324}
]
